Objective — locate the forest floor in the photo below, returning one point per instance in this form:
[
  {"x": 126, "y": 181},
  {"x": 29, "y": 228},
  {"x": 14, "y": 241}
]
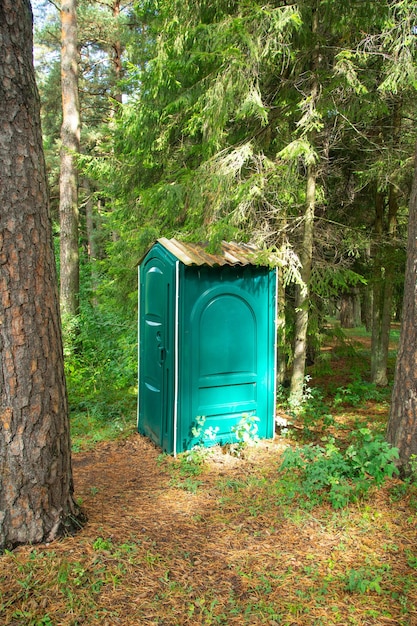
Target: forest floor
[{"x": 214, "y": 538}]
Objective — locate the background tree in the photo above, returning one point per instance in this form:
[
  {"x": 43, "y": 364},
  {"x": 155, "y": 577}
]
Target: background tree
[
  {"x": 382, "y": 69},
  {"x": 402, "y": 424},
  {"x": 103, "y": 30},
  {"x": 70, "y": 147},
  {"x": 311, "y": 120},
  {"x": 36, "y": 490},
  {"x": 103, "y": 348}
]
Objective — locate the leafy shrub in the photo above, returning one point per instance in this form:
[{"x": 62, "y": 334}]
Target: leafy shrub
[
  {"x": 341, "y": 476},
  {"x": 358, "y": 392}
]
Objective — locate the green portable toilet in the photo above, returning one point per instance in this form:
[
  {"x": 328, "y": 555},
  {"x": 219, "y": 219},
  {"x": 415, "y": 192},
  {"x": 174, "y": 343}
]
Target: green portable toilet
[{"x": 207, "y": 344}]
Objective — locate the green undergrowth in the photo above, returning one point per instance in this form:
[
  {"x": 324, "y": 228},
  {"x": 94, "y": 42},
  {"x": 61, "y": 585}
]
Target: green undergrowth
[
  {"x": 100, "y": 366},
  {"x": 329, "y": 472},
  {"x": 338, "y": 393},
  {"x": 335, "y": 409},
  {"x": 335, "y": 472},
  {"x": 107, "y": 421}
]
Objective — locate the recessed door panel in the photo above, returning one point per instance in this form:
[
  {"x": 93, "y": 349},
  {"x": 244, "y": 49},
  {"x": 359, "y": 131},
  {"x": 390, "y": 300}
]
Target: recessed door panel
[
  {"x": 226, "y": 354},
  {"x": 227, "y": 333}
]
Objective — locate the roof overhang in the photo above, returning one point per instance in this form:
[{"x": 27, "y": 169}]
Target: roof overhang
[{"x": 192, "y": 254}]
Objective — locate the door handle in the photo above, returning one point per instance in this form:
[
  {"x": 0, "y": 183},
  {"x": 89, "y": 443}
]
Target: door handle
[{"x": 162, "y": 354}]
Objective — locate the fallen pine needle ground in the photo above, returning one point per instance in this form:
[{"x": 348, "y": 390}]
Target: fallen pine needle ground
[{"x": 215, "y": 539}]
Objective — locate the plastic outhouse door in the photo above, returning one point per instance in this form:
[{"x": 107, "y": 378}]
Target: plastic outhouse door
[
  {"x": 230, "y": 341},
  {"x": 156, "y": 363}
]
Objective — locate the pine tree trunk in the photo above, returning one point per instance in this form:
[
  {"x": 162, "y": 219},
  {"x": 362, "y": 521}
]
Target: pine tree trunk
[
  {"x": 367, "y": 297},
  {"x": 68, "y": 186},
  {"x": 402, "y": 424},
  {"x": 350, "y": 309},
  {"x": 117, "y": 56},
  {"x": 381, "y": 330},
  {"x": 36, "y": 502}
]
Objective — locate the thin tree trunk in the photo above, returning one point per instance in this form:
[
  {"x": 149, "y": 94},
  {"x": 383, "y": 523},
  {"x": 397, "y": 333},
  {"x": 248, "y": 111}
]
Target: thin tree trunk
[
  {"x": 402, "y": 424},
  {"x": 381, "y": 331},
  {"x": 70, "y": 138},
  {"x": 302, "y": 296},
  {"x": 36, "y": 502},
  {"x": 281, "y": 334},
  {"x": 347, "y": 310},
  {"x": 302, "y": 292},
  {"x": 384, "y": 271},
  {"x": 383, "y": 292},
  {"x": 90, "y": 223},
  {"x": 367, "y": 297},
  {"x": 117, "y": 56},
  {"x": 378, "y": 372},
  {"x": 91, "y": 220}
]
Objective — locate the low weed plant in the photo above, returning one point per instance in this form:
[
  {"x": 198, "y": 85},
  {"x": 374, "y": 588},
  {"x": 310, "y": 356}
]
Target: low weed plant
[
  {"x": 185, "y": 468},
  {"x": 200, "y": 435},
  {"x": 365, "y": 580},
  {"x": 246, "y": 433},
  {"x": 329, "y": 473},
  {"x": 358, "y": 393},
  {"x": 246, "y": 430}
]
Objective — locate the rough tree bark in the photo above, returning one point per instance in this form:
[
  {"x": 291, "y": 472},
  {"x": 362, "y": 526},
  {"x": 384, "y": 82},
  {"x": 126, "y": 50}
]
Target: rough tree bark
[
  {"x": 36, "y": 501},
  {"x": 402, "y": 423},
  {"x": 68, "y": 184},
  {"x": 350, "y": 308}
]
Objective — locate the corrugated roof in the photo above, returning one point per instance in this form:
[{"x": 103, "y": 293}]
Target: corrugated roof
[{"x": 230, "y": 253}]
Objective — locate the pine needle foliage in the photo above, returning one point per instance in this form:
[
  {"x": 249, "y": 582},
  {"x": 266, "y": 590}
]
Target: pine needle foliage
[
  {"x": 197, "y": 141},
  {"x": 217, "y": 134}
]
